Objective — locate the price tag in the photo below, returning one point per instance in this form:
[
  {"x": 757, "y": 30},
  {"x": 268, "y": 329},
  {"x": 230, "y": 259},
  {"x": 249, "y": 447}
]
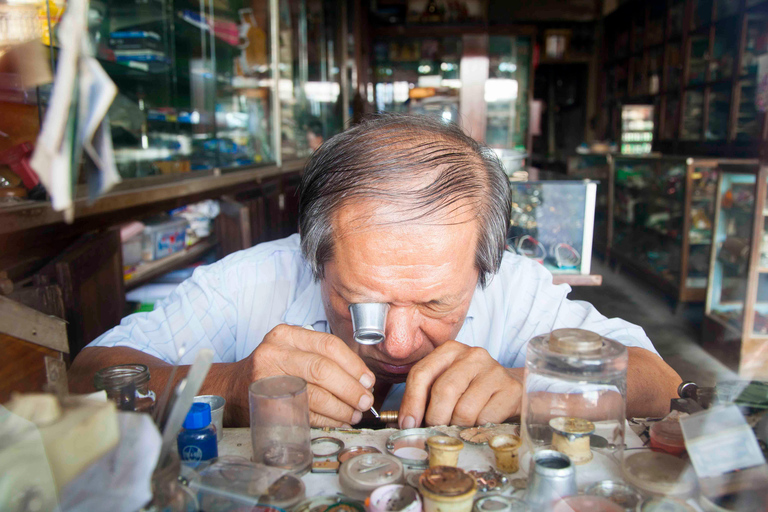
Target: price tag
[{"x": 719, "y": 441}]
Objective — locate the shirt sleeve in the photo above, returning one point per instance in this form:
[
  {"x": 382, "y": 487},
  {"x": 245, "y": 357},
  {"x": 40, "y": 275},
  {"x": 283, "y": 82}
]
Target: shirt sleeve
[
  {"x": 540, "y": 307},
  {"x": 200, "y": 313}
]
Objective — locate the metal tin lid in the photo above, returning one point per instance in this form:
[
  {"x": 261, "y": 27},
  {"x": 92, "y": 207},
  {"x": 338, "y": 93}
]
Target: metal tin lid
[
  {"x": 447, "y": 481},
  {"x": 498, "y": 503},
  {"x": 575, "y": 427},
  {"x": 353, "y": 451},
  {"x": 410, "y": 445},
  {"x": 658, "y": 473},
  {"x": 364, "y": 473}
]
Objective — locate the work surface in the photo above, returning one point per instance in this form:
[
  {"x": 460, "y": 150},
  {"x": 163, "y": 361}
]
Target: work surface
[{"x": 237, "y": 441}]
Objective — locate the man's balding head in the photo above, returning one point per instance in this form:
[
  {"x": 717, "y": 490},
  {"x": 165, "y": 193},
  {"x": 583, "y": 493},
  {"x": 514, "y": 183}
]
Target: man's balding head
[{"x": 420, "y": 167}]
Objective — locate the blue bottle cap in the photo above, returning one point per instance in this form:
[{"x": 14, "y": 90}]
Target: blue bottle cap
[{"x": 199, "y": 416}]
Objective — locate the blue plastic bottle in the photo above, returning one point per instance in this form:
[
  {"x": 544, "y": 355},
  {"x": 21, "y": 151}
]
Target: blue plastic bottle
[{"x": 197, "y": 440}]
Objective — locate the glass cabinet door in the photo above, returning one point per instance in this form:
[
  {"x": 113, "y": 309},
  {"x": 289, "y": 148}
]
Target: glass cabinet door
[
  {"x": 648, "y": 214},
  {"x": 730, "y": 262},
  {"x": 702, "y": 217},
  {"x": 193, "y": 83},
  {"x": 506, "y": 92},
  {"x": 310, "y": 75},
  {"x": 418, "y": 75},
  {"x": 760, "y": 318}
]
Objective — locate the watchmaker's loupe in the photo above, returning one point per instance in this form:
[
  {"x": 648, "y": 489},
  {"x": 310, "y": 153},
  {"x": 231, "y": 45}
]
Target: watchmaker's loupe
[{"x": 368, "y": 322}]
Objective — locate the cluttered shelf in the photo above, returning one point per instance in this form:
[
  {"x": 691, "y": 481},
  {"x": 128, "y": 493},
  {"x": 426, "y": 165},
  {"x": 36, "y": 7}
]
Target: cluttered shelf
[{"x": 147, "y": 271}]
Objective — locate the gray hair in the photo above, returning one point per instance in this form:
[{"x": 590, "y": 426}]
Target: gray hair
[{"x": 377, "y": 157}]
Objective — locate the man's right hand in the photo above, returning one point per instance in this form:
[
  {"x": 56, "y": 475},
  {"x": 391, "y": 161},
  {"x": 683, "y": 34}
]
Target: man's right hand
[{"x": 338, "y": 382}]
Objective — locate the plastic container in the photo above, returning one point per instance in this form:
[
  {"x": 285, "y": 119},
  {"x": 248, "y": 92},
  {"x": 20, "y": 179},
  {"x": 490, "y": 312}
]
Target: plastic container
[
  {"x": 667, "y": 436},
  {"x": 505, "y": 448},
  {"x": 578, "y": 376},
  {"x": 163, "y": 238},
  {"x": 197, "y": 440},
  {"x": 447, "y": 489},
  {"x": 394, "y": 498},
  {"x": 444, "y": 450},
  {"x": 217, "y": 404},
  {"x": 128, "y": 386},
  {"x": 132, "y": 251},
  {"x": 280, "y": 433},
  {"x": 586, "y": 504}
]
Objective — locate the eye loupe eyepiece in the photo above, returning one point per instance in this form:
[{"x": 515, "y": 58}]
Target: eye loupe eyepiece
[{"x": 368, "y": 322}]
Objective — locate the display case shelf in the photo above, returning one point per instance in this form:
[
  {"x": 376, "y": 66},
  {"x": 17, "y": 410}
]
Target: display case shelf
[
  {"x": 662, "y": 220},
  {"x": 706, "y": 93},
  {"x": 736, "y": 314}
]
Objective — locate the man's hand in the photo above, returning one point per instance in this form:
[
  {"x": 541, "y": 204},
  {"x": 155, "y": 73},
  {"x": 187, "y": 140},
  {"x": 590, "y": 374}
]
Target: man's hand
[
  {"x": 460, "y": 385},
  {"x": 338, "y": 382}
]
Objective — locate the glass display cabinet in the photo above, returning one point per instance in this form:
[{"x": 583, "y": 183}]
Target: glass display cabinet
[
  {"x": 552, "y": 222},
  {"x": 596, "y": 167},
  {"x": 736, "y": 315},
  {"x": 212, "y": 86},
  {"x": 439, "y": 75},
  {"x": 662, "y": 220}
]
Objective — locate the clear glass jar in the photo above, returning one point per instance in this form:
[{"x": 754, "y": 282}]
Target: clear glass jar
[
  {"x": 128, "y": 386},
  {"x": 575, "y": 387}
]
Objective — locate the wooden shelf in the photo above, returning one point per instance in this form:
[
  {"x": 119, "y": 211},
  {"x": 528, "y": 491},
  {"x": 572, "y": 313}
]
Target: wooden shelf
[{"x": 148, "y": 271}]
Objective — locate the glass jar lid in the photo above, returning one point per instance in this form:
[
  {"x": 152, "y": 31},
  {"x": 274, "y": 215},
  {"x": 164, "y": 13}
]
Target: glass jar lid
[
  {"x": 447, "y": 481},
  {"x": 576, "y": 352},
  {"x": 120, "y": 376}
]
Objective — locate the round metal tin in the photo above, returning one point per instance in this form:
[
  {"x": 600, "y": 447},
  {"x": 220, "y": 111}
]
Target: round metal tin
[
  {"x": 353, "y": 451},
  {"x": 360, "y": 475},
  {"x": 406, "y": 443},
  {"x": 447, "y": 481},
  {"x": 326, "y": 447}
]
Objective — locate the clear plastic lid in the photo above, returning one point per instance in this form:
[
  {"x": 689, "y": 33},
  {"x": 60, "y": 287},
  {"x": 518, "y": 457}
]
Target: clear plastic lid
[{"x": 362, "y": 474}]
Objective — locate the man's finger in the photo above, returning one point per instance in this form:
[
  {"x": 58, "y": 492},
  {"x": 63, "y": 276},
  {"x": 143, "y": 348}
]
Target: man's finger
[
  {"x": 470, "y": 403},
  {"x": 499, "y": 408},
  {"x": 320, "y": 421},
  {"x": 326, "y": 404},
  {"x": 333, "y": 348},
  {"x": 420, "y": 380},
  {"x": 326, "y": 373},
  {"x": 446, "y": 391}
]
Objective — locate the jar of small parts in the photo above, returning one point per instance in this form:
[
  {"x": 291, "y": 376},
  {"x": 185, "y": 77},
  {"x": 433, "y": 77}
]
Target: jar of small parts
[
  {"x": 574, "y": 377},
  {"x": 447, "y": 489},
  {"x": 128, "y": 386}
]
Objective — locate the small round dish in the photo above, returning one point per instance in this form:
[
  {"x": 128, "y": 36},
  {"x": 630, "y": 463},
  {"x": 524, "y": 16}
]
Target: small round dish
[
  {"x": 618, "y": 492},
  {"x": 326, "y": 447},
  {"x": 410, "y": 446},
  {"x": 326, "y": 503}
]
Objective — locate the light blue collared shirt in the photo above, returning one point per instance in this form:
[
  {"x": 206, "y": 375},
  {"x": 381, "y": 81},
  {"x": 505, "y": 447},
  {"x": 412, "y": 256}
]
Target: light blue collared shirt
[{"x": 231, "y": 305}]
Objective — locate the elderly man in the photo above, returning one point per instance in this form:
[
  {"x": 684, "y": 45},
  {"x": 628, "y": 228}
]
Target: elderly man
[{"x": 402, "y": 210}]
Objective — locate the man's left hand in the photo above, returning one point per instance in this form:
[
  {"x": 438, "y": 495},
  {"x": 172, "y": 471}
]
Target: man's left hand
[{"x": 460, "y": 385}]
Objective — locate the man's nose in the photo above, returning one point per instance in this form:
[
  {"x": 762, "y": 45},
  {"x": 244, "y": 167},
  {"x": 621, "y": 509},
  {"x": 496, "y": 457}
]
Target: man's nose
[{"x": 402, "y": 332}]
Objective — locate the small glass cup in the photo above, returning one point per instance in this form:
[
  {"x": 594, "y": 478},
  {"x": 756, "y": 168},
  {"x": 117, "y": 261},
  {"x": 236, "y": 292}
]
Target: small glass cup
[
  {"x": 280, "y": 432},
  {"x": 128, "y": 386}
]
